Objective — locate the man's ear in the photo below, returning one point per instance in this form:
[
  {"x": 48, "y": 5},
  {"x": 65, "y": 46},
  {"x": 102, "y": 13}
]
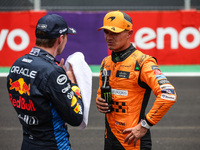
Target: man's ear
[
  {"x": 130, "y": 33},
  {"x": 60, "y": 39}
]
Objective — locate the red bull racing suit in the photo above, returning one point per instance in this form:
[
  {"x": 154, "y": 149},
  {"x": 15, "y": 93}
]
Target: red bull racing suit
[
  {"x": 132, "y": 76},
  {"x": 45, "y": 100}
]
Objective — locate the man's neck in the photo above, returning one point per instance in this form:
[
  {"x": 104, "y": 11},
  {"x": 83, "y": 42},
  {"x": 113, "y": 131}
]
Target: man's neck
[
  {"x": 51, "y": 50},
  {"x": 122, "y": 55}
]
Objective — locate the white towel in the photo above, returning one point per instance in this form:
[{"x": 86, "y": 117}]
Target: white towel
[{"x": 83, "y": 75}]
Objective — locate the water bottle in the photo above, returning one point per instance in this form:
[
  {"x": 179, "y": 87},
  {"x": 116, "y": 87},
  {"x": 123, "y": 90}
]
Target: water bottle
[{"x": 106, "y": 90}]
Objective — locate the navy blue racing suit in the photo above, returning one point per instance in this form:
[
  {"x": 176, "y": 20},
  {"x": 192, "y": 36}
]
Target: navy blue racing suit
[{"x": 45, "y": 101}]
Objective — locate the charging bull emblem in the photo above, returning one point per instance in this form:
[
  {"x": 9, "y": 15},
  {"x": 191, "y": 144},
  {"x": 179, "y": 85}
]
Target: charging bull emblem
[{"x": 20, "y": 86}]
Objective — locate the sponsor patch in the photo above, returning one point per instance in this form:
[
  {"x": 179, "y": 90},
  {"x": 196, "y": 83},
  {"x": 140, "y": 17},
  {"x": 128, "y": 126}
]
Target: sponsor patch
[
  {"x": 123, "y": 74},
  {"x": 62, "y": 79},
  {"x": 119, "y": 92},
  {"x": 23, "y": 71},
  {"x": 137, "y": 66},
  {"x": 168, "y": 97},
  {"x": 166, "y": 86},
  {"x": 20, "y": 103},
  {"x": 20, "y": 86},
  {"x": 157, "y": 72},
  {"x": 74, "y": 101},
  {"x": 66, "y": 88},
  {"x": 142, "y": 59},
  {"x": 154, "y": 67},
  {"x": 125, "y": 66},
  {"x": 77, "y": 91},
  {"x": 30, "y": 120},
  {"x": 162, "y": 76},
  {"x": 42, "y": 26},
  {"x": 27, "y": 60},
  {"x": 168, "y": 91},
  {"x": 35, "y": 51},
  {"x": 63, "y": 30},
  {"x": 50, "y": 57},
  {"x": 74, "y": 31},
  {"x": 78, "y": 109},
  {"x": 70, "y": 95},
  {"x": 163, "y": 81},
  {"x": 120, "y": 123}
]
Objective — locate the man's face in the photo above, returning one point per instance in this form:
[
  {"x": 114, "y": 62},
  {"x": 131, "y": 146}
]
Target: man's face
[{"x": 117, "y": 41}]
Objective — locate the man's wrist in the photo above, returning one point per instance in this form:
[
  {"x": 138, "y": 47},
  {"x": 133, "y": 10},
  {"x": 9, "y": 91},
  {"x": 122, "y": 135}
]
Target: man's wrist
[{"x": 145, "y": 124}]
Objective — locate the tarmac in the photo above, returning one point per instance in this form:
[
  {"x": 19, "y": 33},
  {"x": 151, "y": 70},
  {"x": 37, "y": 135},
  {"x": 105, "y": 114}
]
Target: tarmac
[{"x": 179, "y": 129}]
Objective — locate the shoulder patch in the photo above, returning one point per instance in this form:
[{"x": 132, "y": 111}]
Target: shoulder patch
[{"x": 137, "y": 66}]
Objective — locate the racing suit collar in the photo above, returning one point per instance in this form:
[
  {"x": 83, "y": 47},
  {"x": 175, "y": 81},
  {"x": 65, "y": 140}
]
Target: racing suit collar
[
  {"x": 122, "y": 55},
  {"x": 42, "y": 53}
]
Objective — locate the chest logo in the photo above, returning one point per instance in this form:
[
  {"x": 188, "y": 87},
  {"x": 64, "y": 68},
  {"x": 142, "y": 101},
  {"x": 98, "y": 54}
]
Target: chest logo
[{"x": 122, "y": 74}]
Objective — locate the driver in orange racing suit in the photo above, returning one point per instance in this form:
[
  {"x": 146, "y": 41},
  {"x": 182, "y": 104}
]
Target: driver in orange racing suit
[{"x": 132, "y": 76}]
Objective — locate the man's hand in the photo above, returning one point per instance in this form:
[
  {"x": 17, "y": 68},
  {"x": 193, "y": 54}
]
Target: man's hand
[
  {"x": 135, "y": 133},
  {"x": 62, "y": 61},
  {"x": 102, "y": 106},
  {"x": 70, "y": 72},
  {"x": 71, "y": 75}
]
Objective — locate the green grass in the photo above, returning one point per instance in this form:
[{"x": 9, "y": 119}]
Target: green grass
[{"x": 163, "y": 68}]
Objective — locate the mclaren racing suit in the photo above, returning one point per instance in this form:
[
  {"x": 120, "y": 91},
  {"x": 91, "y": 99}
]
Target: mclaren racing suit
[
  {"x": 45, "y": 100},
  {"x": 132, "y": 76}
]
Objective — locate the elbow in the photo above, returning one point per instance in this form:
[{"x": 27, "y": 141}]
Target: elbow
[
  {"x": 175, "y": 98},
  {"x": 77, "y": 121},
  {"x": 77, "y": 115}
]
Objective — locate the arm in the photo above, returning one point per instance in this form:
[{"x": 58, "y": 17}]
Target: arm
[
  {"x": 65, "y": 97},
  {"x": 162, "y": 89},
  {"x": 165, "y": 98}
]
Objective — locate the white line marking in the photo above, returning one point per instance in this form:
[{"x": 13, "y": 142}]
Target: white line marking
[
  {"x": 168, "y": 74},
  {"x": 3, "y": 74}
]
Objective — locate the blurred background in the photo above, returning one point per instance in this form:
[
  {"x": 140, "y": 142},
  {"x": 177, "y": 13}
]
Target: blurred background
[
  {"x": 168, "y": 30},
  {"x": 98, "y": 5}
]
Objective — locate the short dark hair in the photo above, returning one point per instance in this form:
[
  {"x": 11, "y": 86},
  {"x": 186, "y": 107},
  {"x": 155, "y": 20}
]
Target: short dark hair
[{"x": 48, "y": 43}]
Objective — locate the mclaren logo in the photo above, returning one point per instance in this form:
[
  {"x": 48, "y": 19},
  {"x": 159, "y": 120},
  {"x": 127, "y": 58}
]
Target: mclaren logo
[
  {"x": 111, "y": 18},
  {"x": 113, "y": 28}
]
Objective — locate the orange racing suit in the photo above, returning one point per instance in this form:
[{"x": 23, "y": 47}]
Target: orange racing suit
[{"x": 132, "y": 76}]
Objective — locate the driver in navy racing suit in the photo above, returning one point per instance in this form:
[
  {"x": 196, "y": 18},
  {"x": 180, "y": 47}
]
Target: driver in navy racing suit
[{"x": 45, "y": 96}]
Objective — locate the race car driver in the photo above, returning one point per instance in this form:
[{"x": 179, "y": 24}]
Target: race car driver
[
  {"x": 44, "y": 95},
  {"x": 132, "y": 76}
]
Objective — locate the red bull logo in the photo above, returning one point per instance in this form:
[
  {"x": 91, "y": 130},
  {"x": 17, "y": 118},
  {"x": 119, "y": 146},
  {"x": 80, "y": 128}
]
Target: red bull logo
[
  {"x": 77, "y": 108},
  {"x": 77, "y": 91},
  {"x": 22, "y": 104},
  {"x": 74, "y": 101},
  {"x": 20, "y": 86}
]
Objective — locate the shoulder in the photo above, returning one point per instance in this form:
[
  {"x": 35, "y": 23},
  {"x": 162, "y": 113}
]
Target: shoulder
[
  {"x": 44, "y": 67},
  {"x": 142, "y": 58},
  {"x": 104, "y": 61},
  {"x": 107, "y": 58}
]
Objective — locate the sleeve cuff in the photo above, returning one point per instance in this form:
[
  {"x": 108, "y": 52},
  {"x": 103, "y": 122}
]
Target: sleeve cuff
[
  {"x": 73, "y": 84},
  {"x": 150, "y": 124}
]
